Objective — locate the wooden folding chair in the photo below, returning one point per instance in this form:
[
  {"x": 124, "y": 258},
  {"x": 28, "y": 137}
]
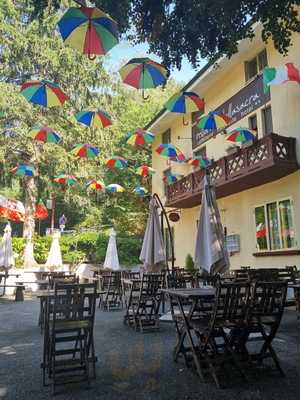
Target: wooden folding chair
[{"x": 111, "y": 286}]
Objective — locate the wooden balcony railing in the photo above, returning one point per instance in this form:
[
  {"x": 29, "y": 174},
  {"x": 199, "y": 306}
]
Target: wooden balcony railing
[{"x": 268, "y": 159}]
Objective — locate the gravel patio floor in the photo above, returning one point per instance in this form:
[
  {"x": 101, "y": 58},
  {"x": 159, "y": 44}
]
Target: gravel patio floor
[{"x": 133, "y": 365}]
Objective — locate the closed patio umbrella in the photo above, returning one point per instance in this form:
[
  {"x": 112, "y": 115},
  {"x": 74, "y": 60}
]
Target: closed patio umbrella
[
  {"x": 6, "y": 252},
  {"x": 111, "y": 257},
  {"x": 54, "y": 257},
  {"x": 210, "y": 253},
  {"x": 153, "y": 254}
]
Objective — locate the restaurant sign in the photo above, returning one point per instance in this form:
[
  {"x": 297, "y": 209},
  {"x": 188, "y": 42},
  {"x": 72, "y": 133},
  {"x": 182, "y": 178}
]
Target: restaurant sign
[{"x": 247, "y": 100}]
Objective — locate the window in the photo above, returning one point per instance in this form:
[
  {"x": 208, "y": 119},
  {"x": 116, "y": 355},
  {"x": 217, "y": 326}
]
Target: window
[
  {"x": 253, "y": 122},
  {"x": 267, "y": 120},
  {"x": 201, "y": 152},
  {"x": 274, "y": 226},
  {"x": 167, "y": 240},
  {"x": 257, "y": 64},
  {"x": 166, "y": 172},
  {"x": 166, "y": 137}
]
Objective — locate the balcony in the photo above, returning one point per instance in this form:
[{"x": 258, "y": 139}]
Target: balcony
[{"x": 268, "y": 159}]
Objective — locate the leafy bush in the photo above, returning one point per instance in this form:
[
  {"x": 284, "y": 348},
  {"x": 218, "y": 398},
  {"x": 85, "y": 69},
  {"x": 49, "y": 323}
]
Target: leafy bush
[{"x": 190, "y": 265}]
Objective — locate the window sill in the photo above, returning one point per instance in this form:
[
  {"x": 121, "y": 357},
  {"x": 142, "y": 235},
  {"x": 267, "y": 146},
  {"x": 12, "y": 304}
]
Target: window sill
[{"x": 276, "y": 253}]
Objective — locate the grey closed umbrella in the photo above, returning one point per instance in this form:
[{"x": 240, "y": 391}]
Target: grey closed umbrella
[
  {"x": 153, "y": 250},
  {"x": 211, "y": 253}
]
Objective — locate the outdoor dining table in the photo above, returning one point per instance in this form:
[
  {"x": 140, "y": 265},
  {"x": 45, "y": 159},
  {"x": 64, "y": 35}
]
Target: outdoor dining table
[{"x": 188, "y": 301}]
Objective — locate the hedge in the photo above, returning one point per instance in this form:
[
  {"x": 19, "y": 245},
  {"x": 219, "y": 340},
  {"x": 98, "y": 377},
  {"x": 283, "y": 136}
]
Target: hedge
[{"x": 89, "y": 246}]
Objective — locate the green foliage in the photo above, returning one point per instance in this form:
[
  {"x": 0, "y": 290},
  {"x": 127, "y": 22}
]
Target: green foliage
[{"x": 189, "y": 264}]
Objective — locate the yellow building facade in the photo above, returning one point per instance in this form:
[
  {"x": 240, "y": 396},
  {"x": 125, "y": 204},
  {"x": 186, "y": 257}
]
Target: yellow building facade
[{"x": 258, "y": 185}]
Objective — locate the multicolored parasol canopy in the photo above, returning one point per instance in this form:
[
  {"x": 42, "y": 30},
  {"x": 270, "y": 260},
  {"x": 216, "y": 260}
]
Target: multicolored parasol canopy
[
  {"x": 89, "y": 30},
  {"x": 241, "y": 135},
  {"x": 64, "y": 179},
  {"x": 140, "y": 137},
  {"x": 171, "y": 178},
  {"x": 185, "y": 102},
  {"x": 171, "y": 151},
  {"x": 200, "y": 161},
  {"x": 23, "y": 170},
  {"x": 94, "y": 119},
  {"x": 85, "y": 151},
  {"x": 43, "y": 93},
  {"x": 213, "y": 121},
  {"x": 96, "y": 185},
  {"x": 45, "y": 134},
  {"x": 140, "y": 191},
  {"x": 41, "y": 211},
  {"x": 116, "y": 162},
  {"x": 145, "y": 170},
  {"x": 114, "y": 188}
]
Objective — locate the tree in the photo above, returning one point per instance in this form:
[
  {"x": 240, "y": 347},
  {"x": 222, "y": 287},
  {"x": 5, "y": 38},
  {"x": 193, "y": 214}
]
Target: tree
[{"x": 194, "y": 28}]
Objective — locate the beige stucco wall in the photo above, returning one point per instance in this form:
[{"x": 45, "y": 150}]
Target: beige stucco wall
[{"x": 237, "y": 212}]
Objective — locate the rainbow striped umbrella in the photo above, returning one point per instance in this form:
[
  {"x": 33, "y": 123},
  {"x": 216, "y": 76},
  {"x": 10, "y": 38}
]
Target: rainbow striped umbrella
[
  {"x": 145, "y": 170},
  {"x": 63, "y": 179},
  {"x": 184, "y": 103},
  {"x": 89, "y": 30},
  {"x": 171, "y": 178},
  {"x": 85, "y": 151},
  {"x": 140, "y": 191},
  {"x": 242, "y": 135},
  {"x": 200, "y": 161},
  {"x": 23, "y": 170},
  {"x": 114, "y": 188},
  {"x": 96, "y": 185},
  {"x": 45, "y": 134},
  {"x": 140, "y": 137},
  {"x": 116, "y": 162},
  {"x": 94, "y": 119},
  {"x": 143, "y": 73},
  {"x": 43, "y": 93},
  {"x": 171, "y": 151},
  {"x": 213, "y": 121}
]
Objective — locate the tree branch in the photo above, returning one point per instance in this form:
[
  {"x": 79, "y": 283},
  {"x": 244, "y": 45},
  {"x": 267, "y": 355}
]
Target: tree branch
[{"x": 81, "y": 2}]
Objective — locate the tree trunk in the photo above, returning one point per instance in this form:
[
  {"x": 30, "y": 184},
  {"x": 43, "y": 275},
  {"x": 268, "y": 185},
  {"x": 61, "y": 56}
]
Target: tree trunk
[{"x": 29, "y": 222}]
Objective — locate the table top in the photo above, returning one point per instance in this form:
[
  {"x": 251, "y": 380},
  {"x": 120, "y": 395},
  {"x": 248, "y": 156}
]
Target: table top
[
  {"x": 192, "y": 293},
  {"x": 130, "y": 281},
  {"x": 44, "y": 294}
]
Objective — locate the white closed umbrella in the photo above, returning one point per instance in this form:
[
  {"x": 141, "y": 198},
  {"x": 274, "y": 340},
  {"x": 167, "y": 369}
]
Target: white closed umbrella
[
  {"x": 211, "y": 253},
  {"x": 54, "y": 257},
  {"x": 111, "y": 258},
  {"x": 6, "y": 251}
]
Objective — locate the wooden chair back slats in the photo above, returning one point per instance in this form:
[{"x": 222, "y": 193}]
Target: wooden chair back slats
[{"x": 268, "y": 299}]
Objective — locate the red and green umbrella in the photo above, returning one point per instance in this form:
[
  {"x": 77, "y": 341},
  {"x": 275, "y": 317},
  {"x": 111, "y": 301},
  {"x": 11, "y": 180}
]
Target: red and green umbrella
[
  {"x": 145, "y": 170},
  {"x": 85, "y": 151},
  {"x": 94, "y": 119},
  {"x": 89, "y": 30},
  {"x": 96, "y": 185},
  {"x": 23, "y": 170},
  {"x": 171, "y": 178},
  {"x": 171, "y": 151},
  {"x": 140, "y": 137},
  {"x": 143, "y": 73},
  {"x": 116, "y": 162},
  {"x": 242, "y": 135},
  {"x": 184, "y": 103},
  {"x": 213, "y": 121},
  {"x": 41, "y": 211},
  {"x": 200, "y": 161},
  {"x": 63, "y": 179},
  {"x": 140, "y": 191},
  {"x": 43, "y": 93},
  {"x": 114, "y": 188},
  {"x": 45, "y": 134}
]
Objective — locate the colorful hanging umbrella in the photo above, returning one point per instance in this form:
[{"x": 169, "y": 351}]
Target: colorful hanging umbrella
[
  {"x": 143, "y": 73},
  {"x": 115, "y": 188},
  {"x": 94, "y": 119},
  {"x": 145, "y": 170},
  {"x": 44, "y": 93},
  {"x": 140, "y": 137},
  {"x": 116, "y": 162},
  {"x": 41, "y": 211},
  {"x": 45, "y": 134},
  {"x": 63, "y": 179},
  {"x": 85, "y": 151},
  {"x": 213, "y": 121},
  {"x": 199, "y": 161},
  {"x": 23, "y": 170},
  {"x": 184, "y": 103},
  {"x": 89, "y": 30},
  {"x": 96, "y": 185},
  {"x": 171, "y": 151},
  {"x": 171, "y": 178},
  {"x": 140, "y": 191},
  {"x": 242, "y": 135}
]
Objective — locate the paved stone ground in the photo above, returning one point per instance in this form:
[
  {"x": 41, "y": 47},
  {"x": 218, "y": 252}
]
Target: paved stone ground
[{"x": 133, "y": 365}]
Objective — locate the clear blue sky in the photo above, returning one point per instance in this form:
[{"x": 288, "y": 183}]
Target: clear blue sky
[{"x": 124, "y": 51}]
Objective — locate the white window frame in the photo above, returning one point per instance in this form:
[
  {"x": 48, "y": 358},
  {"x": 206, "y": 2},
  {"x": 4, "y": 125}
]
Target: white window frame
[{"x": 277, "y": 201}]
